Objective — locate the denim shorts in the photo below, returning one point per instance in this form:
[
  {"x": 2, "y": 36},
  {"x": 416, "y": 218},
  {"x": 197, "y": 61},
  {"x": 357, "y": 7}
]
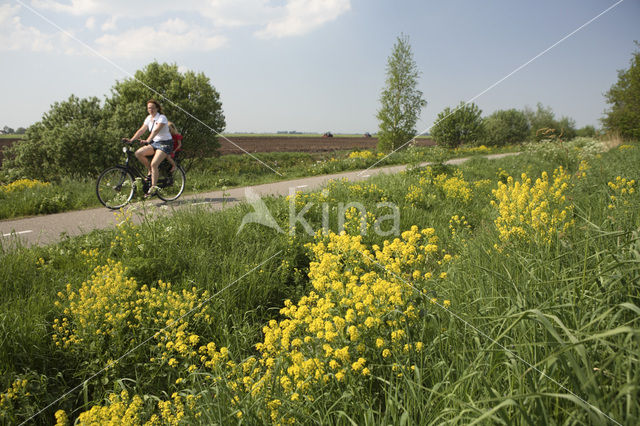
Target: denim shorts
[{"x": 164, "y": 146}]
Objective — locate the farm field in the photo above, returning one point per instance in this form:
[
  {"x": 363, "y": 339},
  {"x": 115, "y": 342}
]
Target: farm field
[
  {"x": 504, "y": 291},
  {"x": 242, "y": 143}
]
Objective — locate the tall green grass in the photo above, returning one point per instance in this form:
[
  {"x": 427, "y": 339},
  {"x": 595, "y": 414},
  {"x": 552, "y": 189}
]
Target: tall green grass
[{"x": 535, "y": 334}]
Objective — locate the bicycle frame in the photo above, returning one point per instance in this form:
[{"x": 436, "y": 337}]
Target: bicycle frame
[{"x": 116, "y": 185}]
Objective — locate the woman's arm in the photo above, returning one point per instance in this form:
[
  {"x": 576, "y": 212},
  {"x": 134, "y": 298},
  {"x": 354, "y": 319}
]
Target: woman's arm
[
  {"x": 156, "y": 130},
  {"x": 140, "y": 132}
]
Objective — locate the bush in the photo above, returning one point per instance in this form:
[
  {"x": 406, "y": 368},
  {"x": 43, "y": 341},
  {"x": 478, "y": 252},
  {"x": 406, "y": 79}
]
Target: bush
[
  {"x": 624, "y": 97},
  {"x": 73, "y": 139},
  {"x": 542, "y": 122},
  {"x": 458, "y": 126},
  {"x": 506, "y": 127}
]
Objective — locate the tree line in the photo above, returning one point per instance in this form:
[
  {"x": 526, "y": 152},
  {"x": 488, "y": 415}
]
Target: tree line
[
  {"x": 78, "y": 137},
  {"x": 401, "y": 102}
]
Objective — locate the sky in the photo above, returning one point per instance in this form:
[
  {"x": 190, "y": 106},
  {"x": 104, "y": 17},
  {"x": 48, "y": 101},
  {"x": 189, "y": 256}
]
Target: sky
[{"x": 320, "y": 65}]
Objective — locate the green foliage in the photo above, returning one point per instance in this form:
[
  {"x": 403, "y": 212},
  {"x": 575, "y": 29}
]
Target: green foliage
[
  {"x": 73, "y": 139},
  {"x": 506, "y": 127},
  {"x": 532, "y": 334},
  {"x": 78, "y": 137},
  {"x": 624, "y": 97},
  {"x": 188, "y": 100},
  {"x": 458, "y": 126},
  {"x": 401, "y": 101},
  {"x": 587, "y": 132},
  {"x": 543, "y": 122}
]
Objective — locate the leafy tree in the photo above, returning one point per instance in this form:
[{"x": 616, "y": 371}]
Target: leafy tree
[
  {"x": 188, "y": 99},
  {"x": 543, "y": 122},
  {"x": 567, "y": 128},
  {"x": 587, "y": 132},
  {"x": 73, "y": 138},
  {"x": 401, "y": 101},
  {"x": 461, "y": 125},
  {"x": 624, "y": 97},
  {"x": 7, "y": 130},
  {"x": 506, "y": 127}
]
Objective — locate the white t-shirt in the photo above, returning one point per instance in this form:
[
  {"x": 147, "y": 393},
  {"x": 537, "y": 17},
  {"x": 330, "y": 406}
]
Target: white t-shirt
[{"x": 164, "y": 133}]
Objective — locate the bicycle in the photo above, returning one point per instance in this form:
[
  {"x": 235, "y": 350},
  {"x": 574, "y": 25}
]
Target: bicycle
[{"x": 116, "y": 185}]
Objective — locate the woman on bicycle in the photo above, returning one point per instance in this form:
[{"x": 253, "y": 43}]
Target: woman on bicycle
[{"x": 159, "y": 144}]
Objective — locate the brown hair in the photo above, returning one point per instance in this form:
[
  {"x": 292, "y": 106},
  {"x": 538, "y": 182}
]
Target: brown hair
[{"x": 156, "y": 103}]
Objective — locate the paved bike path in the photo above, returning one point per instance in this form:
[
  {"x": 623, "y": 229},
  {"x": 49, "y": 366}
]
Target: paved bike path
[{"x": 48, "y": 229}]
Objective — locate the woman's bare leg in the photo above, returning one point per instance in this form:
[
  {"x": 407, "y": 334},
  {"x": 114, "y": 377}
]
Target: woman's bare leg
[
  {"x": 143, "y": 153},
  {"x": 158, "y": 158}
]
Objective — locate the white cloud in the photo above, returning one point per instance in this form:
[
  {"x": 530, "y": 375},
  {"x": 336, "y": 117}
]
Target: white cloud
[
  {"x": 162, "y": 26},
  {"x": 171, "y": 36},
  {"x": 109, "y": 24},
  {"x": 303, "y": 16},
  {"x": 16, "y": 36}
]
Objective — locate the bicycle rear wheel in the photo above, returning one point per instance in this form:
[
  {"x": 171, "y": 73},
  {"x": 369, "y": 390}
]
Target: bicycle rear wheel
[
  {"x": 115, "y": 187},
  {"x": 171, "y": 185}
]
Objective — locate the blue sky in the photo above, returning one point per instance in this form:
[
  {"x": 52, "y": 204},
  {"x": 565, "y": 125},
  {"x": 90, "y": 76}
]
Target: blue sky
[{"x": 318, "y": 65}]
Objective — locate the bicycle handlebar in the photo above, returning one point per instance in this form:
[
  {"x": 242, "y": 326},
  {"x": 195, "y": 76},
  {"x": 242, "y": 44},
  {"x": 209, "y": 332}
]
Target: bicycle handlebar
[{"x": 129, "y": 141}]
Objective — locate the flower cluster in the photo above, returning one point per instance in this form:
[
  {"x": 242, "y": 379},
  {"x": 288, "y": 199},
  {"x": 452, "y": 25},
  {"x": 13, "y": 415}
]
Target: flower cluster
[
  {"x": 458, "y": 225},
  {"x": 533, "y": 211},
  {"x": 22, "y": 184},
  {"x": 108, "y": 313},
  {"x": 365, "y": 155},
  {"x": 125, "y": 410},
  {"x": 357, "y": 222},
  {"x": 622, "y": 190},
  {"x": 582, "y": 169},
  {"x": 17, "y": 390},
  {"x": 360, "y": 318},
  {"x": 102, "y": 306},
  {"x": 454, "y": 187}
]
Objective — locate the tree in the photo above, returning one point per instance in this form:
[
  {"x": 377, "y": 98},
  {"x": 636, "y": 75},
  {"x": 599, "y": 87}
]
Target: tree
[
  {"x": 506, "y": 127},
  {"x": 73, "y": 138},
  {"x": 587, "y": 132},
  {"x": 461, "y": 125},
  {"x": 543, "y": 122},
  {"x": 7, "y": 130},
  {"x": 624, "y": 96},
  {"x": 188, "y": 99},
  {"x": 401, "y": 101}
]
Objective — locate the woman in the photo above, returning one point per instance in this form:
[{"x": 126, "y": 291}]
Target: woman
[{"x": 159, "y": 143}]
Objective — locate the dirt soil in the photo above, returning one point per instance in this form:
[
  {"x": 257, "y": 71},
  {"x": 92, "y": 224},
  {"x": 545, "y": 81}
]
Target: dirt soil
[{"x": 236, "y": 145}]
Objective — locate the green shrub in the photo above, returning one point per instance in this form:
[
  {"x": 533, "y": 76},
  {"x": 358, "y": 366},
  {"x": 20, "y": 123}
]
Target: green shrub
[
  {"x": 458, "y": 126},
  {"x": 73, "y": 139},
  {"x": 506, "y": 127}
]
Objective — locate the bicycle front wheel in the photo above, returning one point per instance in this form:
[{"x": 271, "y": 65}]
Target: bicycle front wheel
[
  {"x": 115, "y": 187},
  {"x": 171, "y": 185}
]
